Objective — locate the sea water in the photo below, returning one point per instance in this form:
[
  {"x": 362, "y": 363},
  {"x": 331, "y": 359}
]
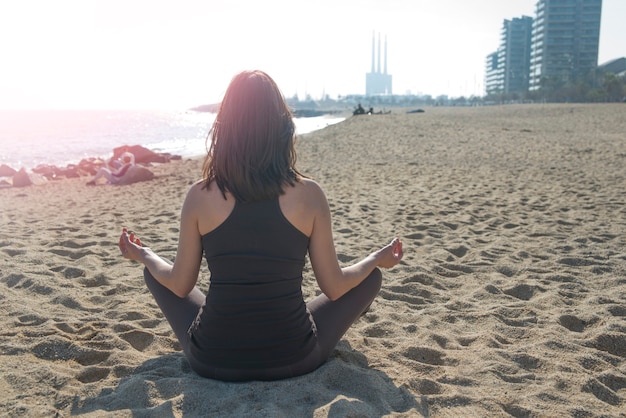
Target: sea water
[{"x": 59, "y": 137}]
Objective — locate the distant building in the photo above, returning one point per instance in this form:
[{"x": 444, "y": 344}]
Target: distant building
[
  {"x": 493, "y": 82},
  {"x": 507, "y": 69},
  {"x": 378, "y": 82},
  {"x": 565, "y": 40},
  {"x": 515, "y": 54},
  {"x": 616, "y": 66}
]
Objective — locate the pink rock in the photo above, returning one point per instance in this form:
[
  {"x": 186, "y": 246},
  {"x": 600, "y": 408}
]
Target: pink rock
[
  {"x": 23, "y": 179},
  {"x": 48, "y": 171},
  {"x": 6, "y": 171},
  {"x": 136, "y": 174},
  {"x": 142, "y": 154}
]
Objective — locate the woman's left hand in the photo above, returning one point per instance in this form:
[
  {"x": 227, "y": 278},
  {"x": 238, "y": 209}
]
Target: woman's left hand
[
  {"x": 130, "y": 245},
  {"x": 391, "y": 254}
]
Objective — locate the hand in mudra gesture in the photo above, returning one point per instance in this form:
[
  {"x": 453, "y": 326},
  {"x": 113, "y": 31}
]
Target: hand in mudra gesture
[
  {"x": 390, "y": 254},
  {"x": 130, "y": 245}
]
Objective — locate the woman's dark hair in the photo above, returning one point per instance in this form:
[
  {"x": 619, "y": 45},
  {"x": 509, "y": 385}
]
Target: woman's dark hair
[{"x": 252, "y": 141}]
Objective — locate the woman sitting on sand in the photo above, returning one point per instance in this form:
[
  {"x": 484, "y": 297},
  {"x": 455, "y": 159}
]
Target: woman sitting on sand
[
  {"x": 255, "y": 217},
  {"x": 117, "y": 170}
]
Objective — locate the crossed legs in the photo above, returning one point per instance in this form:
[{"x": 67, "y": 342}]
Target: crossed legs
[{"x": 332, "y": 319}]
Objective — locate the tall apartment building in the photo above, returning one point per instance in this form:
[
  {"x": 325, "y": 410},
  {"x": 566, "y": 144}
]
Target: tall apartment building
[
  {"x": 493, "y": 81},
  {"x": 565, "y": 40},
  {"x": 514, "y": 54},
  {"x": 507, "y": 69}
]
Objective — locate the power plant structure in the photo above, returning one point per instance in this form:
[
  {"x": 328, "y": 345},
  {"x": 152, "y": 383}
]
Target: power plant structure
[{"x": 378, "y": 82}]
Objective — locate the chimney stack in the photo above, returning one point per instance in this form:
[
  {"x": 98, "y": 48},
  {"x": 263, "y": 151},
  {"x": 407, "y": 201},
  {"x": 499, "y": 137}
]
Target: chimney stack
[
  {"x": 378, "y": 68},
  {"x": 385, "y": 54},
  {"x": 373, "y": 49}
]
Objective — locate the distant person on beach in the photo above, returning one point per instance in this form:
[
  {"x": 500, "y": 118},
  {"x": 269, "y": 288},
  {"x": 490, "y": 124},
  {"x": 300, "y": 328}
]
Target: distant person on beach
[
  {"x": 116, "y": 171},
  {"x": 121, "y": 160},
  {"x": 254, "y": 218},
  {"x": 359, "y": 110}
]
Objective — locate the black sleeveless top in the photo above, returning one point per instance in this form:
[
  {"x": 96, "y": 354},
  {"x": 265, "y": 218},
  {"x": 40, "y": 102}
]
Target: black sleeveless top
[{"x": 254, "y": 316}]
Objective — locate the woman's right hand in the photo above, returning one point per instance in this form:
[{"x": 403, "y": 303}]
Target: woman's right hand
[
  {"x": 130, "y": 245},
  {"x": 390, "y": 254}
]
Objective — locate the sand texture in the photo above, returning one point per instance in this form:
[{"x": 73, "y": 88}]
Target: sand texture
[{"x": 510, "y": 301}]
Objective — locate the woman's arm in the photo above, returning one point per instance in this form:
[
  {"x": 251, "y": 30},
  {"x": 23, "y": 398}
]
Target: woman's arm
[
  {"x": 333, "y": 280},
  {"x": 181, "y": 276}
]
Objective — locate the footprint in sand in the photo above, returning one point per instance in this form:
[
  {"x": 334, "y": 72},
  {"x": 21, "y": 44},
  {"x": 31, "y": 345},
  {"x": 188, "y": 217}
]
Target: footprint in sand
[
  {"x": 425, "y": 386},
  {"x": 591, "y": 362},
  {"x": 96, "y": 281},
  {"x": 452, "y": 270},
  {"x": 72, "y": 303},
  {"x": 31, "y": 320},
  {"x": 602, "y": 392},
  {"x": 514, "y": 317},
  {"x": 381, "y": 330},
  {"x": 457, "y": 381},
  {"x": 617, "y": 310},
  {"x": 428, "y": 356},
  {"x": 74, "y": 255},
  {"x": 526, "y": 361},
  {"x": 21, "y": 281},
  {"x": 523, "y": 291},
  {"x": 60, "y": 349},
  {"x": 139, "y": 340},
  {"x": 459, "y": 251},
  {"x": 516, "y": 411},
  {"x": 411, "y": 299},
  {"x": 572, "y": 323},
  {"x": 93, "y": 374},
  {"x": 611, "y": 343},
  {"x": 12, "y": 252},
  {"x": 511, "y": 374},
  {"x": 91, "y": 357},
  {"x": 422, "y": 278},
  {"x": 73, "y": 273}
]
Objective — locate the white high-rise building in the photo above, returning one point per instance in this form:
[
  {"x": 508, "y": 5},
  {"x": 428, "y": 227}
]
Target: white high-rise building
[{"x": 565, "y": 41}]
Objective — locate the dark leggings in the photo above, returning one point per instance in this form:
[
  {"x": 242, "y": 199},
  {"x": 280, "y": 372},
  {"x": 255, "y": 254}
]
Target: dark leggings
[{"x": 332, "y": 319}]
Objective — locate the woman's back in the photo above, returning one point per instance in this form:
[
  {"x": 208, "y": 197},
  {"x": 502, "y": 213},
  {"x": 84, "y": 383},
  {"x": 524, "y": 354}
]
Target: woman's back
[
  {"x": 255, "y": 315},
  {"x": 299, "y": 204}
]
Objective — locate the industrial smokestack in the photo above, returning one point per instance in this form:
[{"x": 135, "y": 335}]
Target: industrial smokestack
[
  {"x": 385, "y": 54},
  {"x": 373, "y": 49},
  {"x": 378, "y": 68}
]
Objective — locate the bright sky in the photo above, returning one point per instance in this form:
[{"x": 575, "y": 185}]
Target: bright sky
[{"x": 101, "y": 54}]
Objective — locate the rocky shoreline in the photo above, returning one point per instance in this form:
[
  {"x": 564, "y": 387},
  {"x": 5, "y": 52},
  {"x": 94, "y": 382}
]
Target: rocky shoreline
[{"x": 10, "y": 177}]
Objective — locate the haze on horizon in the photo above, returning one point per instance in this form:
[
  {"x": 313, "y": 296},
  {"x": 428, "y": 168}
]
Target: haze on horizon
[{"x": 74, "y": 54}]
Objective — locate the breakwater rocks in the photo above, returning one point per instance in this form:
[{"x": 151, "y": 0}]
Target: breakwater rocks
[{"x": 10, "y": 177}]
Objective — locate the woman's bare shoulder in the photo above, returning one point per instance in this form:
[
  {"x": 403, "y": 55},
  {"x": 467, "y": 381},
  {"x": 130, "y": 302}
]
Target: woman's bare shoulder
[
  {"x": 196, "y": 191},
  {"x": 310, "y": 186},
  {"x": 309, "y": 194},
  {"x": 200, "y": 196},
  {"x": 209, "y": 205},
  {"x": 200, "y": 189}
]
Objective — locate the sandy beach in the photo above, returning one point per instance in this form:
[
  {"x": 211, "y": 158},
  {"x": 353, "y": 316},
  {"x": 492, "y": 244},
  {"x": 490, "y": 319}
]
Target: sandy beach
[{"x": 510, "y": 301}]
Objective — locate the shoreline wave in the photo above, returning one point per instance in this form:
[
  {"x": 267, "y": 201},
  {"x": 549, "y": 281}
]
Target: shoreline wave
[{"x": 29, "y": 138}]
